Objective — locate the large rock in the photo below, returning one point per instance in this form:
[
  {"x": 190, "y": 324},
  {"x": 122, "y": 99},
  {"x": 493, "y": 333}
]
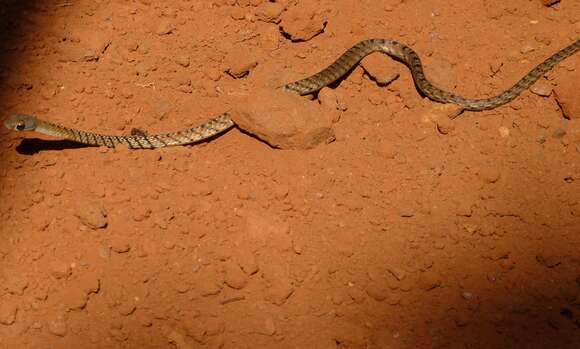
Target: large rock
[
  {"x": 283, "y": 119},
  {"x": 566, "y": 93},
  {"x": 303, "y": 22},
  {"x": 381, "y": 68}
]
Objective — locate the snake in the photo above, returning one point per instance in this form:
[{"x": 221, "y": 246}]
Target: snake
[{"x": 312, "y": 84}]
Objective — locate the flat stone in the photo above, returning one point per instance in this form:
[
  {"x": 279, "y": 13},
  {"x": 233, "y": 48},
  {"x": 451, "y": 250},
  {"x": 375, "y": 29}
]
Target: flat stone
[{"x": 541, "y": 88}]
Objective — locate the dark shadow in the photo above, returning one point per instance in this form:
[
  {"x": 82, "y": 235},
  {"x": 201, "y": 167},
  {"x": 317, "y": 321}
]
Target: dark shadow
[
  {"x": 15, "y": 27},
  {"x": 30, "y": 146},
  {"x": 246, "y": 133}
]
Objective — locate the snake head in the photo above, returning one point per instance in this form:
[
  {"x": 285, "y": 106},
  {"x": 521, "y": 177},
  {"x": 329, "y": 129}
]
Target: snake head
[{"x": 20, "y": 122}]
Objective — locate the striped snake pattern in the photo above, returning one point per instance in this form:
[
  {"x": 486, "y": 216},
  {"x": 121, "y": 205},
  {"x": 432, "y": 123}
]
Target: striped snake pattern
[{"x": 311, "y": 84}]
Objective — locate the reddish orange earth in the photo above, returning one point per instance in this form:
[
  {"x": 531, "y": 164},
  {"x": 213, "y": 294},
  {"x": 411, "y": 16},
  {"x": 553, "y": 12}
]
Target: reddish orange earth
[{"x": 404, "y": 232}]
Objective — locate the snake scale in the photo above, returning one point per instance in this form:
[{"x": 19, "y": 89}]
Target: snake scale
[{"x": 305, "y": 86}]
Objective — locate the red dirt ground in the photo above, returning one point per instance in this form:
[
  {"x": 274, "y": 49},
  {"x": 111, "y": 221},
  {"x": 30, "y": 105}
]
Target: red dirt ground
[{"x": 395, "y": 235}]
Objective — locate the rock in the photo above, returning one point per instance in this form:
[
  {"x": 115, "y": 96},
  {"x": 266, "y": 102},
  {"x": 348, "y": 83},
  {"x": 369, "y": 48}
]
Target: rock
[
  {"x": 440, "y": 114},
  {"x": 86, "y": 45},
  {"x": 178, "y": 339},
  {"x": 548, "y": 260},
  {"x": 141, "y": 213},
  {"x": 267, "y": 230},
  {"x": 127, "y": 308},
  {"x": 428, "y": 281},
  {"x": 120, "y": 246},
  {"x": 462, "y": 319},
  {"x": 16, "y": 284},
  {"x": 247, "y": 261},
  {"x": 541, "y": 88},
  {"x": 58, "y": 326},
  {"x": 287, "y": 121},
  {"x": 92, "y": 215},
  {"x": 377, "y": 291},
  {"x": 566, "y": 93},
  {"x": 76, "y": 299},
  {"x": 60, "y": 270},
  {"x": 559, "y": 133},
  {"x": 442, "y": 73},
  {"x": 445, "y": 126},
  {"x": 490, "y": 175},
  {"x": 381, "y": 69},
  {"x": 182, "y": 61},
  {"x": 7, "y": 313},
  {"x": 89, "y": 284},
  {"x": 268, "y": 327},
  {"x": 301, "y": 23},
  {"x": 279, "y": 285},
  {"x": 549, "y": 2},
  {"x": 240, "y": 62},
  {"x": 238, "y": 13},
  {"x": 397, "y": 272},
  {"x": 207, "y": 284},
  {"x": 234, "y": 276},
  {"x": 160, "y": 110},
  {"x": 507, "y": 264},
  {"x": 504, "y": 132},
  {"x": 118, "y": 334},
  {"x": 164, "y": 28},
  {"x": 331, "y": 100},
  {"x": 269, "y": 12}
]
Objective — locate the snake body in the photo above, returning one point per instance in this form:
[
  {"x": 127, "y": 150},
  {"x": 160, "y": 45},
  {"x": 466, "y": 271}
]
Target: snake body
[{"x": 305, "y": 86}]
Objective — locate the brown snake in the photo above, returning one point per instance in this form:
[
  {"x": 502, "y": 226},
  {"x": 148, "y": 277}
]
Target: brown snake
[{"x": 305, "y": 86}]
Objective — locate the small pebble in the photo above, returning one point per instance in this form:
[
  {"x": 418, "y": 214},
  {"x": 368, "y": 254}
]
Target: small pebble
[
  {"x": 164, "y": 28},
  {"x": 559, "y": 133},
  {"x": 8, "y": 313},
  {"x": 542, "y": 88},
  {"x": 504, "y": 132},
  {"x": 92, "y": 215},
  {"x": 234, "y": 276},
  {"x": 58, "y": 326},
  {"x": 16, "y": 284},
  {"x": 60, "y": 270},
  {"x": 182, "y": 61},
  {"x": 120, "y": 246}
]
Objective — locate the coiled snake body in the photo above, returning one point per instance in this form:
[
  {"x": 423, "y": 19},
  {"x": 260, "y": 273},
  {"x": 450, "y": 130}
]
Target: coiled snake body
[{"x": 305, "y": 86}]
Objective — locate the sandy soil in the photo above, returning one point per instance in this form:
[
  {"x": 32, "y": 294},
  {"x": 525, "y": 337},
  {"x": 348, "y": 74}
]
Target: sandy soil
[{"x": 395, "y": 235}]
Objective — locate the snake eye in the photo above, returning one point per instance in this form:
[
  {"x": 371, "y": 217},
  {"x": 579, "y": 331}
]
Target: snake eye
[{"x": 20, "y": 126}]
